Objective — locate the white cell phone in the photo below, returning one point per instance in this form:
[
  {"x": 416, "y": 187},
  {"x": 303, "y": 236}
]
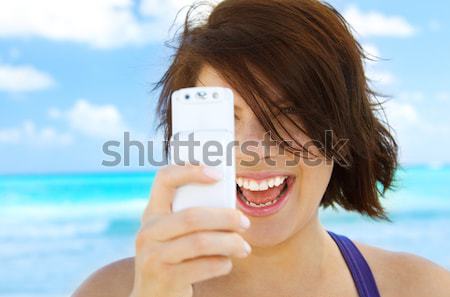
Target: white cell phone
[{"x": 204, "y": 116}]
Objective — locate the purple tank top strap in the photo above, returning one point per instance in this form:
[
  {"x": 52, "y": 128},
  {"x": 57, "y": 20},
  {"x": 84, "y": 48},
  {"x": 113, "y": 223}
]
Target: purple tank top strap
[{"x": 359, "y": 269}]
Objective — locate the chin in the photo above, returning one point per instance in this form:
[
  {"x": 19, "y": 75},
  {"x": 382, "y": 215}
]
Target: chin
[{"x": 273, "y": 225}]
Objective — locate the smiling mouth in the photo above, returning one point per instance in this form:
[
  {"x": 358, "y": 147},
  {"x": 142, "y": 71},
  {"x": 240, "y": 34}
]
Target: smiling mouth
[{"x": 262, "y": 193}]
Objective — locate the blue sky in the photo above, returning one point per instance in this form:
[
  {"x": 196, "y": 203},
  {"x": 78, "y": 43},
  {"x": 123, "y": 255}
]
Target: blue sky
[{"x": 76, "y": 73}]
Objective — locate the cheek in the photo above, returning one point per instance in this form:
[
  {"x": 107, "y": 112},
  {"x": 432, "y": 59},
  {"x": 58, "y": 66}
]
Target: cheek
[
  {"x": 248, "y": 129},
  {"x": 314, "y": 181},
  {"x": 238, "y": 131}
]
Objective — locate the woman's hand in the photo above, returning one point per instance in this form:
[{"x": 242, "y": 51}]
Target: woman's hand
[{"x": 175, "y": 250}]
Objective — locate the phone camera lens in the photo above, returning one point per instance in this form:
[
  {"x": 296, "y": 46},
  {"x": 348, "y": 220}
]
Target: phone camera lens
[
  {"x": 187, "y": 96},
  {"x": 215, "y": 95},
  {"x": 201, "y": 94}
]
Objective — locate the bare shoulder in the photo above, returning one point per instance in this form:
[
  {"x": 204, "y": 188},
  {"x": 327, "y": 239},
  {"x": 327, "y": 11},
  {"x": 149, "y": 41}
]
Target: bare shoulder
[
  {"x": 404, "y": 274},
  {"x": 113, "y": 280}
]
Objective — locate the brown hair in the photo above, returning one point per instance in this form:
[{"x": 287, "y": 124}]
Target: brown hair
[{"x": 304, "y": 50}]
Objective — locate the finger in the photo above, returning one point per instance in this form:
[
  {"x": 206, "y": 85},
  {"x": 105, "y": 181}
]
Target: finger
[
  {"x": 195, "y": 219},
  {"x": 201, "y": 269},
  {"x": 170, "y": 177},
  {"x": 206, "y": 243}
]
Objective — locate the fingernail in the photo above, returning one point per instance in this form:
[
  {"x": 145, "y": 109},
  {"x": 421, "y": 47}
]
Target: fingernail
[
  {"x": 212, "y": 172},
  {"x": 245, "y": 222},
  {"x": 247, "y": 247}
]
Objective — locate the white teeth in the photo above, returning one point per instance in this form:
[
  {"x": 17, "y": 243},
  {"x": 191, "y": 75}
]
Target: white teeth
[
  {"x": 252, "y": 204},
  {"x": 276, "y": 182},
  {"x": 268, "y": 203},
  {"x": 261, "y": 185},
  {"x": 254, "y": 185}
]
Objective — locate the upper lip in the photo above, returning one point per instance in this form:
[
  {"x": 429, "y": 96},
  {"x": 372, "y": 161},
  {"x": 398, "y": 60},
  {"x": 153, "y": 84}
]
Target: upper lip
[{"x": 261, "y": 175}]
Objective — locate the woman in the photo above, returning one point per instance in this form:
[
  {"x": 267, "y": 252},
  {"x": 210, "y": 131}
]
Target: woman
[{"x": 297, "y": 73}]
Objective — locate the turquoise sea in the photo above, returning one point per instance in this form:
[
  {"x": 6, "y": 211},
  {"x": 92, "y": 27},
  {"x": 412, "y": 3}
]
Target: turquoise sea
[{"x": 56, "y": 229}]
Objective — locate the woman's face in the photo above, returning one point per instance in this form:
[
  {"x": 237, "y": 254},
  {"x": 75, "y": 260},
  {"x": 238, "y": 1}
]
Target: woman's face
[{"x": 279, "y": 196}]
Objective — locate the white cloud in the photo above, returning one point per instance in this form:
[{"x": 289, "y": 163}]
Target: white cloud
[
  {"x": 373, "y": 23},
  {"x": 372, "y": 51},
  {"x": 381, "y": 77},
  {"x": 28, "y": 133},
  {"x": 83, "y": 118},
  {"x": 99, "y": 121},
  {"x": 99, "y": 23},
  {"x": 164, "y": 12},
  {"x": 411, "y": 96},
  {"x": 420, "y": 123},
  {"x": 401, "y": 113},
  {"x": 372, "y": 69},
  {"x": 159, "y": 8},
  {"x": 443, "y": 96},
  {"x": 405, "y": 121},
  {"x": 23, "y": 79}
]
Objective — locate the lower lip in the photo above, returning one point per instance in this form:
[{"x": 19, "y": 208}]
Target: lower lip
[{"x": 266, "y": 210}]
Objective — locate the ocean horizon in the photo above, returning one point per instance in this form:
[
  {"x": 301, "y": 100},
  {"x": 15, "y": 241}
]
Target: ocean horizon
[{"x": 57, "y": 228}]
